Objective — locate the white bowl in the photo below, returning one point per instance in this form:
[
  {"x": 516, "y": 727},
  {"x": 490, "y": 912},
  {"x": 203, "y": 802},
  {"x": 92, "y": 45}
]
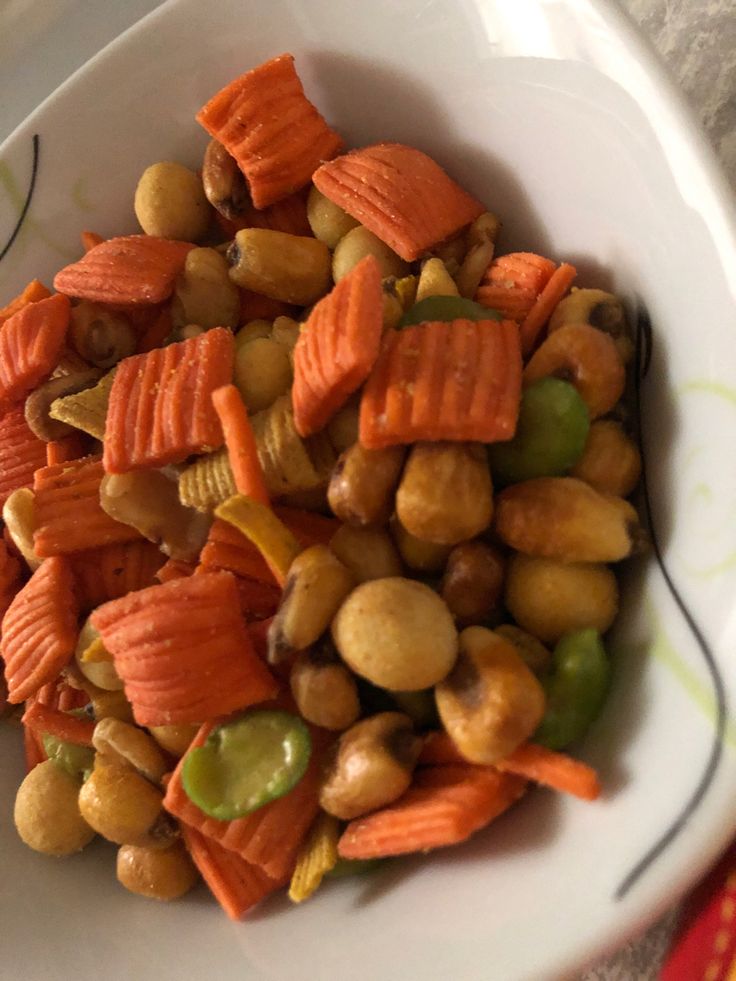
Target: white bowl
[{"x": 554, "y": 114}]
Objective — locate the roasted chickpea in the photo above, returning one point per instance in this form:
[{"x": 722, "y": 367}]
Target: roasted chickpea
[
  {"x": 328, "y": 221},
  {"x": 292, "y": 268},
  {"x": 262, "y": 372},
  {"x": 128, "y": 744},
  {"x": 550, "y": 598},
  {"x": 491, "y": 702},
  {"x": 174, "y": 739},
  {"x": 564, "y": 518},
  {"x": 170, "y": 203},
  {"x": 372, "y": 765},
  {"x": 362, "y": 486},
  {"x": 204, "y": 294},
  {"x": 47, "y": 815},
  {"x": 369, "y": 553},
  {"x": 356, "y": 245},
  {"x": 123, "y": 806},
  {"x": 324, "y": 690},
  {"x": 419, "y": 555},
  {"x": 473, "y": 579},
  {"x": 157, "y": 873},
  {"x": 100, "y": 336},
  {"x": 611, "y": 462},
  {"x": 397, "y": 633},
  {"x": 445, "y": 495},
  {"x": 316, "y": 585},
  {"x": 148, "y": 500}
]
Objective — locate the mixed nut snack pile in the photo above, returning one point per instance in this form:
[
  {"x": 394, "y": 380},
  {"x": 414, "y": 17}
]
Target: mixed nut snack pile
[{"x": 310, "y": 503}]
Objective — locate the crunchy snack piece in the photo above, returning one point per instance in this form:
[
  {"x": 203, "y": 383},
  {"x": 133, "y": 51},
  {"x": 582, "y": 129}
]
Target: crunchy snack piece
[
  {"x": 400, "y": 194},
  {"x": 444, "y": 381},
  {"x": 160, "y": 409},
  {"x": 290, "y": 464},
  {"x": 21, "y": 452},
  {"x": 31, "y": 342},
  {"x": 69, "y": 517},
  {"x": 207, "y": 482},
  {"x": 316, "y": 857},
  {"x": 32, "y": 293},
  {"x": 130, "y": 269},
  {"x": 86, "y": 410},
  {"x": 184, "y": 668},
  {"x": 39, "y": 630},
  {"x": 276, "y": 135},
  {"x": 337, "y": 347},
  {"x": 107, "y": 573}
]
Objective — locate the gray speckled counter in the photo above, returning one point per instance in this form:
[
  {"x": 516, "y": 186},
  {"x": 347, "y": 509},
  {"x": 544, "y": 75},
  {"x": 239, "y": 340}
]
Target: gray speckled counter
[{"x": 697, "y": 40}]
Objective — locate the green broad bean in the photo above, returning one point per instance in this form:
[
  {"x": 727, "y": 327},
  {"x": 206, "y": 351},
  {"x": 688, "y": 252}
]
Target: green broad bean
[
  {"x": 576, "y": 689},
  {"x": 76, "y": 760},
  {"x": 345, "y": 867},
  {"x": 247, "y": 763},
  {"x": 550, "y": 435},
  {"x": 446, "y": 308}
]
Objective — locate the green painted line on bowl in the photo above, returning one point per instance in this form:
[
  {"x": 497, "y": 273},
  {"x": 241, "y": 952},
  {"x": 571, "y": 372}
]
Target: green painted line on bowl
[
  {"x": 698, "y": 691},
  {"x": 79, "y": 195},
  {"x": 703, "y": 385},
  {"x": 31, "y": 228}
]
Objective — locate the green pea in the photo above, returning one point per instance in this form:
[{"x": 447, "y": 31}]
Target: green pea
[
  {"x": 576, "y": 689},
  {"x": 550, "y": 434},
  {"x": 76, "y": 760},
  {"x": 446, "y": 308},
  {"x": 354, "y": 866},
  {"x": 247, "y": 763}
]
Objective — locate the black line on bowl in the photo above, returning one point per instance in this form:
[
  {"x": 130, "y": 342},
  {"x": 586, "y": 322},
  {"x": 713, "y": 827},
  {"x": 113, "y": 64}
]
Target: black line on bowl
[
  {"x": 642, "y": 364},
  {"x": 29, "y": 196}
]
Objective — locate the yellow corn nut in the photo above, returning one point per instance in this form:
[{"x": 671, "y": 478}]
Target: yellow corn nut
[
  {"x": 406, "y": 290},
  {"x": 292, "y": 268},
  {"x": 86, "y": 410},
  {"x": 317, "y": 856},
  {"x": 435, "y": 280},
  {"x": 315, "y": 587},
  {"x": 563, "y": 518}
]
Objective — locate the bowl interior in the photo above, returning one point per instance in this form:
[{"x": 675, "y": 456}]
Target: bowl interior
[{"x": 550, "y": 114}]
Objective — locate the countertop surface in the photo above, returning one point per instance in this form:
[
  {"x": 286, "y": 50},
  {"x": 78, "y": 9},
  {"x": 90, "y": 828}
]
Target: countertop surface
[{"x": 41, "y": 44}]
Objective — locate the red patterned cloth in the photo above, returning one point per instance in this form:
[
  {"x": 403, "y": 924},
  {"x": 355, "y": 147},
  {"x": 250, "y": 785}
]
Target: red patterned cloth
[{"x": 704, "y": 946}]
